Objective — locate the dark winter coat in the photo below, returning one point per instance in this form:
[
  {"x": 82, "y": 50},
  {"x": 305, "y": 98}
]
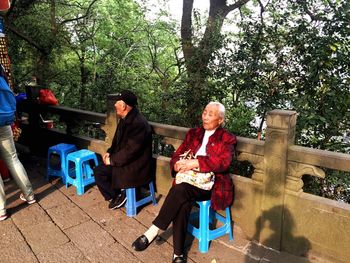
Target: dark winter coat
[
  {"x": 131, "y": 152},
  {"x": 220, "y": 150}
]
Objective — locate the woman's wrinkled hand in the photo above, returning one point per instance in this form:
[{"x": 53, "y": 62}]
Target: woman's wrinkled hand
[{"x": 186, "y": 165}]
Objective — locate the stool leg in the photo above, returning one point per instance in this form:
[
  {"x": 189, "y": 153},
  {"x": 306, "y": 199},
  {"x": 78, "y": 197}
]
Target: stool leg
[
  {"x": 85, "y": 170},
  {"x": 228, "y": 222},
  {"x": 48, "y": 167},
  {"x": 79, "y": 179},
  {"x": 95, "y": 160},
  {"x": 203, "y": 245},
  {"x": 130, "y": 202},
  {"x": 211, "y": 215},
  {"x": 151, "y": 190},
  {"x": 50, "y": 170},
  {"x": 63, "y": 169},
  {"x": 89, "y": 171},
  {"x": 68, "y": 178}
]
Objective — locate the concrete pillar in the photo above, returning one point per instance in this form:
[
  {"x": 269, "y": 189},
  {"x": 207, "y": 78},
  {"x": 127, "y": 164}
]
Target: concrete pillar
[{"x": 280, "y": 133}]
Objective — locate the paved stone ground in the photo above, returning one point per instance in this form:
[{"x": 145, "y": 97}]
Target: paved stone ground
[{"x": 65, "y": 227}]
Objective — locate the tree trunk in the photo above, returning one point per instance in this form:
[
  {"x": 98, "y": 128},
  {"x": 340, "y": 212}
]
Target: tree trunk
[
  {"x": 42, "y": 69},
  {"x": 84, "y": 77},
  {"x": 197, "y": 57}
]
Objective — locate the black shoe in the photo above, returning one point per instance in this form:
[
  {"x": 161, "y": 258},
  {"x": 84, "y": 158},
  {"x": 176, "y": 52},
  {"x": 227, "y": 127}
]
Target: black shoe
[
  {"x": 141, "y": 243},
  {"x": 113, "y": 202},
  {"x": 118, "y": 201},
  {"x": 180, "y": 259}
]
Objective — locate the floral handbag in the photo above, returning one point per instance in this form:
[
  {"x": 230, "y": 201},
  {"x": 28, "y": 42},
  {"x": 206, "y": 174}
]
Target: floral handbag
[{"x": 203, "y": 181}]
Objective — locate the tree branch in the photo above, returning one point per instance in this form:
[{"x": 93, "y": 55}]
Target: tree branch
[
  {"x": 217, "y": 13},
  {"x": 80, "y": 17},
  {"x": 313, "y": 17},
  {"x": 27, "y": 39},
  {"x": 236, "y": 5}
]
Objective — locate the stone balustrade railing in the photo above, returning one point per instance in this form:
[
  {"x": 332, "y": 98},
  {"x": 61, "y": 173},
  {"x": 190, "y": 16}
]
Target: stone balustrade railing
[{"x": 270, "y": 207}]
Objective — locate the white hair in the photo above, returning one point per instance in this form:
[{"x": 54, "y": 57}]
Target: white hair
[{"x": 221, "y": 108}]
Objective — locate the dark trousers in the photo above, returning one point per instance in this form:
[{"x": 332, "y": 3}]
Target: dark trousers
[
  {"x": 103, "y": 179},
  {"x": 177, "y": 208}
]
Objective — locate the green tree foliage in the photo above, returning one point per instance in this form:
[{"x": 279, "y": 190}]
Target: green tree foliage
[
  {"x": 294, "y": 56},
  {"x": 93, "y": 48}
]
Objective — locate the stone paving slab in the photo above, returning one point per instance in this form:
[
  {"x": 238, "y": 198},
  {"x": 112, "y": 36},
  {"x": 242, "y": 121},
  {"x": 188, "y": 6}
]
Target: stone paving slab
[
  {"x": 254, "y": 250},
  {"x": 52, "y": 198},
  {"x": 114, "y": 253},
  {"x": 67, "y": 253},
  {"x": 17, "y": 252},
  {"x": 67, "y": 215},
  {"x": 29, "y": 216},
  {"x": 282, "y": 257},
  {"x": 89, "y": 236},
  {"x": 9, "y": 234},
  {"x": 44, "y": 236},
  {"x": 90, "y": 197}
]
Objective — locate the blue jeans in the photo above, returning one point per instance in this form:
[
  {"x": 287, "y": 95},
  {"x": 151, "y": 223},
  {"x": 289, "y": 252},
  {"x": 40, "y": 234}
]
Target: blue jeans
[{"x": 9, "y": 155}]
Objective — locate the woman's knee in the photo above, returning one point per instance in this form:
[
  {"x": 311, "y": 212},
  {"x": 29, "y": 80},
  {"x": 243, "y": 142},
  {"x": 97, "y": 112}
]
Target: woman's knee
[{"x": 178, "y": 189}]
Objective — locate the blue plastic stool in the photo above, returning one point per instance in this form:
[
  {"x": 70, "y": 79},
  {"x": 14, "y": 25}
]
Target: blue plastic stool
[
  {"x": 206, "y": 216},
  {"x": 62, "y": 150},
  {"x": 132, "y": 204},
  {"x": 83, "y": 171}
]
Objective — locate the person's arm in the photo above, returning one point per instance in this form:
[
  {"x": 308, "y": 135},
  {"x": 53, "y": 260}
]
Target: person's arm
[
  {"x": 174, "y": 167},
  {"x": 221, "y": 157},
  {"x": 135, "y": 136}
]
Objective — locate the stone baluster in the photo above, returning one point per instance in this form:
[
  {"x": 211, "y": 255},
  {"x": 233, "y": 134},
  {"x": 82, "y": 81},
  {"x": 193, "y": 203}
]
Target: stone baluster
[{"x": 280, "y": 133}]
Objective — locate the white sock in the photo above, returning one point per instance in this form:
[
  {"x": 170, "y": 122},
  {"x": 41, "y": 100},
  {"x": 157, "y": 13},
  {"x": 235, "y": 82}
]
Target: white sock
[
  {"x": 151, "y": 233},
  {"x": 176, "y": 256}
]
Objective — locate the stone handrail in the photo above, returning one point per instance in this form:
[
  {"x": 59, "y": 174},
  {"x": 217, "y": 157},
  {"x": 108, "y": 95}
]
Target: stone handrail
[
  {"x": 322, "y": 158},
  {"x": 77, "y": 114}
]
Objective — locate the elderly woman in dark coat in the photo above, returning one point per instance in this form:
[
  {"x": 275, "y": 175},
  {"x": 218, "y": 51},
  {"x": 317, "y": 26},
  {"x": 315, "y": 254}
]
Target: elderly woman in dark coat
[{"x": 213, "y": 148}]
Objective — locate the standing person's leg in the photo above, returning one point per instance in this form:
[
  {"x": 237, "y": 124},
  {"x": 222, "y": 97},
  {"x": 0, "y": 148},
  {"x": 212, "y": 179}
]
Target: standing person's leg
[
  {"x": 103, "y": 179},
  {"x": 9, "y": 156},
  {"x": 2, "y": 201}
]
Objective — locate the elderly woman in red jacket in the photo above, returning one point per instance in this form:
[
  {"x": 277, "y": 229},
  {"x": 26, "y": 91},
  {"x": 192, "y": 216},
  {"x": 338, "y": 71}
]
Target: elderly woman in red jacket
[{"x": 211, "y": 148}]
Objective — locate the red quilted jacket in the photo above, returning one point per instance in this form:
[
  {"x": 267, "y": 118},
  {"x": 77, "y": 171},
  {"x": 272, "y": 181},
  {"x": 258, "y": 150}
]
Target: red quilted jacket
[{"x": 220, "y": 150}]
